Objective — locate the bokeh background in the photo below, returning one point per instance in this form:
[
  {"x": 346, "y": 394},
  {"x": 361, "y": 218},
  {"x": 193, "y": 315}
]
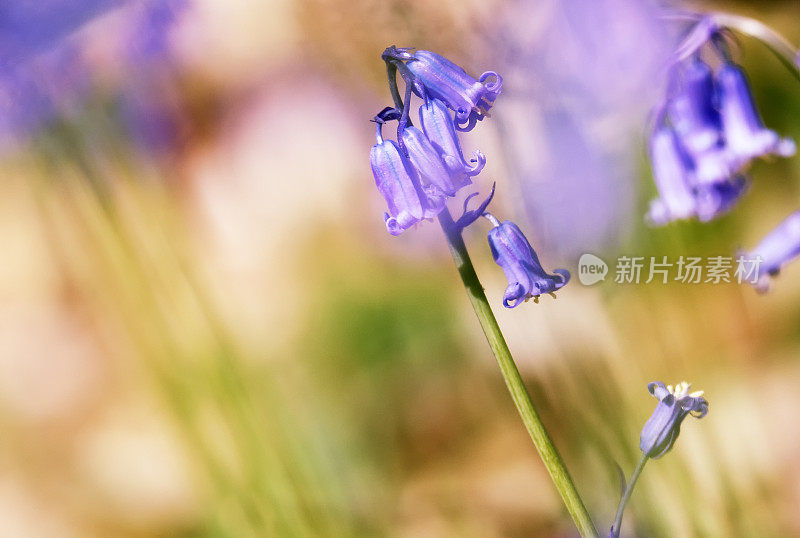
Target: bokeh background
[{"x": 206, "y": 331}]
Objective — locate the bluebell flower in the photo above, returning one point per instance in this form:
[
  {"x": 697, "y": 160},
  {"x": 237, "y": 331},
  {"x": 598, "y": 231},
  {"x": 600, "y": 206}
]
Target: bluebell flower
[
  {"x": 718, "y": 128},
  {"x": 43, "y": 72},
  {"x": 397, "y": 180},
  {"x": 429, "y": 164},
  {"x": 514, "y": 254},
  {"x": 776, "y": 249},
  {"x": 439, "y": 78},
  {"x": 672, "y": 169},
  {"x": 718, "y": 198},
  {"x": 438, "y": 126},
  {"x": 29, "y": 28},
  {"x": 692, "y": 111},
  {"x": 746, "y": 137},
  {"x": 674, "y": 404},
  {"x": 693, "y": 115}
]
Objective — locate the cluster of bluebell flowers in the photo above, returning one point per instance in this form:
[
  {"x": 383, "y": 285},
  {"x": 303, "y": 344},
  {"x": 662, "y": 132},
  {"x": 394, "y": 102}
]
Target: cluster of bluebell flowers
[
  {"x": 424, "y": 167},
  {"x": 705, "y": 134}
]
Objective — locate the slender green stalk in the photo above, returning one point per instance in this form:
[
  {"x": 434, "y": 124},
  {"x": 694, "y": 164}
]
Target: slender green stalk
[
  {"x": 787, "y": 53},
  {"x": 627, "y": 495},
  {"x": 775, "y": 42},
  {"x": 533, "y": 423}
]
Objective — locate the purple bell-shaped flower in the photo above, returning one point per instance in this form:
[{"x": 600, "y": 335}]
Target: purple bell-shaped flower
[
  {"x": 746, "y": 137},
  {"x": 438, "y": 77},
  {"x": 671, "y": 172},
  {"x": 429, "y": 164},
  {"x": 398, "y": 182},
  {"x": 438, "y": 126},
  {"x": 514, "y": 254},
  {"x": 776, "y": 249},
  {"x": 661, "y": 430}
]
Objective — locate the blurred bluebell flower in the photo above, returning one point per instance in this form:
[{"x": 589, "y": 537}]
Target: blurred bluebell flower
[
  {"x": 148, "y": 100},
  {"x": 514, "y": 254},
  {"x": 776, "y": 249},
  {"x": 746, "y": 137},
  {"x": 672, "y": 169},
  {"x": 569, "y": 121},
  {"x": 719, "y": 132},
  {"x": 43, "y": 71},
  {"x": 714, "y": 200},
  {"x": 680, "y": 195},
  {"x": 674, "y": 404},
  {"x": 692, "y": 111},
  {"x": 397, "y": 180},
  {"x": 439, "y": 78},
  {"x": 438, "y": 126},
  {"x": 693, "y": 115},
  {"x": 28, "y": 27},
  {"x": 429, "y": 164},
  {"x": 152, "y": 27}
]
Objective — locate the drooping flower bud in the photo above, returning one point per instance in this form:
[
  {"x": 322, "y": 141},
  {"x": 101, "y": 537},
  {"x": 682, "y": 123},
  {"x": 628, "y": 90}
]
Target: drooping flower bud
[
  {"x": 439, "y": 78},
  {"x": 661, "y": 430},
  {"x": 671, "y": 171},
  {"x": 438, "y": 126},
  {"x": 746, "y": 137},
  {"x": 429, "y": 164},
  {"x": 514, "y": 254},
  {"x": 692, "y": 110},
  {"x": 398, "y": 182}
]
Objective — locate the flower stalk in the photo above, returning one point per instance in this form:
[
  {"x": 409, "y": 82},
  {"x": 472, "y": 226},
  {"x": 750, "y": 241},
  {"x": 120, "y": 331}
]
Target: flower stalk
[
  {"x": 533, "y": 423},
  {"x": 615, "y": 528}
]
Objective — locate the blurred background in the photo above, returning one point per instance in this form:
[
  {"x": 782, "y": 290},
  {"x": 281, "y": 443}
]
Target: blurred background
[{"x": 205, "y": 329}]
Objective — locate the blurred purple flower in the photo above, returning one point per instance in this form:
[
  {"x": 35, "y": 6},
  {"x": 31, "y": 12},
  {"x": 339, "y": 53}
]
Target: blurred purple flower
[
  {"x": 43, "y": 73},
  {"x": 680, "y": 196},
  {"x": 674, "y": 404},
  {"x": 30, "y": 27},
  {"x": 718, "y": 132},
  {"x": 514, "y": 254},
  {"x": 671, "y": 171},
  {"x": 745, "y": 135},
  {"x": 776, "y": 249},
  {"x": 578, "y": 81},
  {"x": 692, "y": 111}
]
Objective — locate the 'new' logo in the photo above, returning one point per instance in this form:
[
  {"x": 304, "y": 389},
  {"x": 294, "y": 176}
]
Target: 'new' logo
[{"x": 591, "y": 269}]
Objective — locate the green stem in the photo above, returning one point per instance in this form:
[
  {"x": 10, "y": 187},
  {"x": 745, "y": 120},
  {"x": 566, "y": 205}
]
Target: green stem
[
  {"x": 775, "y": 42},
  {"x": 533, "y": 423},
  {"x": 787, "y": 53},
  {"x": 627, "y": 495}
]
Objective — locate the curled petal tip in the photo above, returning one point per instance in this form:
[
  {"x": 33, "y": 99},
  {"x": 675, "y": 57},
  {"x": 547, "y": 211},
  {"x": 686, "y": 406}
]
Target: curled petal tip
[
  {"x": 495, "y": 85},
  {"x": 564, "y": 274},
  {"x": 479, "y": 162}
]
